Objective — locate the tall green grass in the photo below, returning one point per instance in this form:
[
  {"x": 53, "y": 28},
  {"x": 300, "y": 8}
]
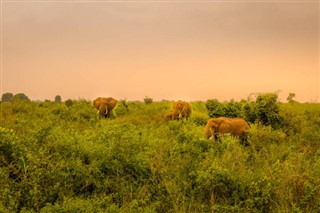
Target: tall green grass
[{"x": 63, "y": 158}]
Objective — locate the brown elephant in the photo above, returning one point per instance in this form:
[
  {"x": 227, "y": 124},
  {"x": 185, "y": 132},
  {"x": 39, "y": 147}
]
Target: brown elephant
[
  {"x": 181, "y": 109},
  {"x": 105, "y": 106},
  {"x": 234, "y": 126}
]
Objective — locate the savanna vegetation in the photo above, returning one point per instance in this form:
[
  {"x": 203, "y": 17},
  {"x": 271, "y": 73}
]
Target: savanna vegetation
[{"x": 62, "y": 157}]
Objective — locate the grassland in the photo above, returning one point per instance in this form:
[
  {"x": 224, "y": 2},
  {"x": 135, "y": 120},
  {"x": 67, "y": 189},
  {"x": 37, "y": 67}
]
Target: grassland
[{"x": 58, "y": 157}]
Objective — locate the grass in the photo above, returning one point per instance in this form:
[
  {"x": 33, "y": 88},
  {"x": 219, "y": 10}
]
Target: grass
[{"x": 64, "y": 158}]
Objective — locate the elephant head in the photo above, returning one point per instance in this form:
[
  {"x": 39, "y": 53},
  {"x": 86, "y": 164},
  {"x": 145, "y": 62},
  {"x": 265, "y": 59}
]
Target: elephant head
[
  {"x": 105, "y": 106},
  {"x": 181, "y": 110},
  {"x": 234, "y": 126}
]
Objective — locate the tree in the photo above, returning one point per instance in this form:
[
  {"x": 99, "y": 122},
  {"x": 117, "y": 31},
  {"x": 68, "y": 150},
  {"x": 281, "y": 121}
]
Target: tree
[
  {"x": 267, "y": 110},
  {"x": 7, "y": 97},
  {"x": 290, "y": 97},
  {"x": 232, "y": 109},
  {"x": 20, "y": 97},
  {"x": 148, "y": 100},
  {"x": 248, "y": 111},
  {"x": 57, "y": 99},
  {"x": 215, "y": 108},
  {"x": 227, "y": 109}
]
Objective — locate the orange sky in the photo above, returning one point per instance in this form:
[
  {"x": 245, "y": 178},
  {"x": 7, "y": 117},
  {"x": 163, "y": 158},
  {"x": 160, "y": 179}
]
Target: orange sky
[{"x": 165, "y": 50}]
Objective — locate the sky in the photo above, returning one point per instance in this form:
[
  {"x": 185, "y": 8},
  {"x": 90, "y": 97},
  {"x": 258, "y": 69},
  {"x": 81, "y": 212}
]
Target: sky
[{"x": 166, "y": 50}]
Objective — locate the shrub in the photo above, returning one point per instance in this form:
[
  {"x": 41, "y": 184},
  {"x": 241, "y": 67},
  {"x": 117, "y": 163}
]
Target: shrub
[
  {"x": 220, "y": 188},
  {"x": 121, "y": 108},
  {"x": 9, "y": 149},
  {"x": 199, "y": 120},
  {"x": 148, "y": 100},
  {"x": 69, "y": 102},
  {"x": 261, "y": 136},
  {"x": 226, "y": 109},
  {"x": 94, "y": 204},
  {"x": 267, "y": 110},
  {"x": 215, "y": 108}
]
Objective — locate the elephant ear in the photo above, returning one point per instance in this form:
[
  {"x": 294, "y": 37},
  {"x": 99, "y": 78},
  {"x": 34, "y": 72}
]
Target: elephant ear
[
  {"x": 226, "y": 125},
  {"x": 222, "y": 123},
  {"x": 96, "y": 104},
  {"x": 219, "y": 123}
]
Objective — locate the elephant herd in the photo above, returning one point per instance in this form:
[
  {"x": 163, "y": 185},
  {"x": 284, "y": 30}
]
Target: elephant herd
[{"x": 235, "y": 126}]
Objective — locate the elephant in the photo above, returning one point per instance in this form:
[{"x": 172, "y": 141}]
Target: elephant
[
  {"x": 235, "y": 126},
  {"x": 181, "y": 109},
  {"x": 105, "y": 106}
]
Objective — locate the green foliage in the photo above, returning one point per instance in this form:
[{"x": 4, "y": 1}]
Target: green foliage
[
  {"x": 215, "y": 108},
  {"x": 7, "y": 97},
  {"x": 9, "y": 150},
  {"x": 83, "y": 205},
  {"x": 69, "y": 102},
  {"x": 20, "y": 97},
  {"x": 148, "y": 100},
  {"x": 290, "y": 97},
  {"x": 57, "y": 99},
  {"x": 267, "y": 110},
  {"x": 59, "y": 157},
  {"x": 227, "y": 109},
  {"x": 261, "y": 135},
  {"x": 121, "y": 108}
]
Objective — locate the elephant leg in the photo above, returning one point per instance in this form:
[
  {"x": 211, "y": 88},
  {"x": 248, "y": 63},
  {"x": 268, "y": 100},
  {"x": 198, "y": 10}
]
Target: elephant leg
[
  {"x": 175, "y": 116},
  {"x": 216, "y": 138},
  {"x": 244, "y": 140}
]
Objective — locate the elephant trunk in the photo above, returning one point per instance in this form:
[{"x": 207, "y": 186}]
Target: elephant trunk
[
  {"x": 103, "y": 110},
  {"x": 209, "y": 132}
]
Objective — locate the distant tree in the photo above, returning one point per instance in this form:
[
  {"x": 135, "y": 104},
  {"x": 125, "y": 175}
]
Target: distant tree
[
  {"x": 290, "y": 97},
  {"x": 7, "y": 97},
  {"x": 20, "y": 97},
  {"x": 148, "y": 100},
  {"x": 57, "y": 99}
]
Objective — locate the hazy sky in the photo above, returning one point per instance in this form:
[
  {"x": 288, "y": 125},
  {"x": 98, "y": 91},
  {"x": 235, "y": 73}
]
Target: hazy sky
[{"x": 190, "y": 50}]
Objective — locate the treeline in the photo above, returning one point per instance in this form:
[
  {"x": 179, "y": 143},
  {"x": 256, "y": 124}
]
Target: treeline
[
  {"x": 61, "y": 157},
  {"x": 9, "y": 97}
]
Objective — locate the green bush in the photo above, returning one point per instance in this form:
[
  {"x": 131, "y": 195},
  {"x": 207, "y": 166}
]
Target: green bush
[
  {"x": 227, "y": 109},
  {"x": 121, "y": 108},
  {"x": 148, "y": 100},
  {"x": 267, "y": 110}
]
